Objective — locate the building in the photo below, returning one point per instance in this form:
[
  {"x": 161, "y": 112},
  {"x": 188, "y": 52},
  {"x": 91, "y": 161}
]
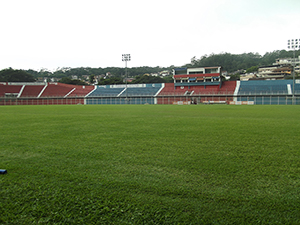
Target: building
[
  {"x": 282, "y": 68},
  {"x": 287, "y": 61},
  {"x": 202, "y": 76},
  {"x": 247, "y": 76},
  {"x": 274, "y": 72}
]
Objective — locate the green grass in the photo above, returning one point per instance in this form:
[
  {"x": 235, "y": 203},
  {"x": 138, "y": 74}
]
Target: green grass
[{"x": 150, "y": 164}]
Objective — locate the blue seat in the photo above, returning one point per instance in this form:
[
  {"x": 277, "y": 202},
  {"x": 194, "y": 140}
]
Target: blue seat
[
  {"x": 264, "y": 87},
  {"x": 106, "y": 91}
]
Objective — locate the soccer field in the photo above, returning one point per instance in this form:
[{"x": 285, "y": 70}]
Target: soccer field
[{"x": 150, "y": 164}]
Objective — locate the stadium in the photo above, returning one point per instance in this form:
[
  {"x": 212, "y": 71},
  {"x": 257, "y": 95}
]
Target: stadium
[
  {"x": 128, "y": 154},
  {"x": 191, "y": 86}
]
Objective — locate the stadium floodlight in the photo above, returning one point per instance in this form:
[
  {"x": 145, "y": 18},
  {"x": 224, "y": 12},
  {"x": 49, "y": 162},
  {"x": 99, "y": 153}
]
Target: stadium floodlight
[
  {"x": 126, "y": 58},
  {"x": 294, "y": 44}
]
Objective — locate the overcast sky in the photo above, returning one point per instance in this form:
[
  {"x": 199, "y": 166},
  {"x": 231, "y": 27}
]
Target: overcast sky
[{"x": 49, "y": 34}]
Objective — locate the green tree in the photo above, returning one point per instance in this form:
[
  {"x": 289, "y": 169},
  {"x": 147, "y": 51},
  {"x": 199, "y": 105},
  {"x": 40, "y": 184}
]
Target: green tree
[
  {"x": 229, "y": 62},
  {"x": 235, "y": 76},
  {"x": 11, "y": 75},
  {"x": 91, "y": 79},
  {"x": 252, "y": 69},
  {"x": 168, "y": 79},
  {"x": 144, "y": 79},
  {"x": 112, "y": 80},
  {"x": 67, "y": 80}
]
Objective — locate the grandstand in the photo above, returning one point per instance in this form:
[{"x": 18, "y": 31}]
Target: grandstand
[
  {"x": 56, "y": 90},
  {"x": 142, "y": 90},
  {"x": 227, "y": 88},
  {"x": 42, "y": 93},
  {"x": 125, "y": 90},
  {"x": 271, "y": 92},
  {"x": 107, "y": 91},
  {"x": 203, "y": 76},
  {"x": 31, "y": 90},
  {"x": 80, "y": 91},
  {"x": 197, "y": 85},
  {"x": 124, "y": 94},
  {"x": 7, "y": 90},
  {"x": 280, "y": 87},
  {"x": 230, "y": 92}
]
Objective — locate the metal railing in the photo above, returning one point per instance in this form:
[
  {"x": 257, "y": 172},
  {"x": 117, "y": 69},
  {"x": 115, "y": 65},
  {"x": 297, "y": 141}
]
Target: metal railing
[{"x": 273, "y": 98}]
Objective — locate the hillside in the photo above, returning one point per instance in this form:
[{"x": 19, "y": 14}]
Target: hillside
[
  {"x": 229, "y": 62},
  {"x": 233, "y": 62}
]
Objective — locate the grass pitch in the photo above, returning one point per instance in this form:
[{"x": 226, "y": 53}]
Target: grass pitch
[{"x": 150, "y": 164}]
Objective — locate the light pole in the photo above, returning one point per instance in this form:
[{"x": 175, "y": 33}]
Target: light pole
[
  {"x": 126, "y": 58},
  {"x": 294, "y": 44}
]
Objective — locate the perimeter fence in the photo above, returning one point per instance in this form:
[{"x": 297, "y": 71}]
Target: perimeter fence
[
  {"x": 41, "y": 101},
  {"x": 217, "y": 98}
]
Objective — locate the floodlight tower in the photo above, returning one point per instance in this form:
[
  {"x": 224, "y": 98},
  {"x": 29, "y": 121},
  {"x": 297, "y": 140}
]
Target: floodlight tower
[
  {"x": 126, "y": 58},
  {"x": 294, "y": 44}
]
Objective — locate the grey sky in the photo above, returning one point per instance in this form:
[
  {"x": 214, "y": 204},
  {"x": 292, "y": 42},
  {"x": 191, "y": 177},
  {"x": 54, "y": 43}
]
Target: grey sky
[{"x": 95, "y": 33}]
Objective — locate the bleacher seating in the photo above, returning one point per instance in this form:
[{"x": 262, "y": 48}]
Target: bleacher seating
[
  {"x": 36, "y": 90},
  {"x": 227, "y": 87},
  {"x": 207, "y": 90},
  {"x": 6, "y": 88},
  {"x": 260, "y": 91},
  {"x": 144, "y": 90},
  {"x": 169, "y": 89},
  {"x": 57, "y": 90},
  {"x": 255, "y": 87},
  {"x": 32, "y": 90},
  {"x": 81, "y": 91},
  {"x": 106, "y": 91},
  {"x": 122, "y": 91}
]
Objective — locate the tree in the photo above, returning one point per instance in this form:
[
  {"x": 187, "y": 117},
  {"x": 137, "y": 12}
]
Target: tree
[
  {"x": 67, "y": 80},
  {"x": 168, "y": 79},
  {"x": 235, "y": 77},
  {"x": 112, "y": 80},
  {"x": 91, "y": 79},
  {"x": 11, "y": 75},
  {"x": 229, "y": 62},
  {"x": 252, "y": 69},
  {"x": 143, "y": 79}
]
